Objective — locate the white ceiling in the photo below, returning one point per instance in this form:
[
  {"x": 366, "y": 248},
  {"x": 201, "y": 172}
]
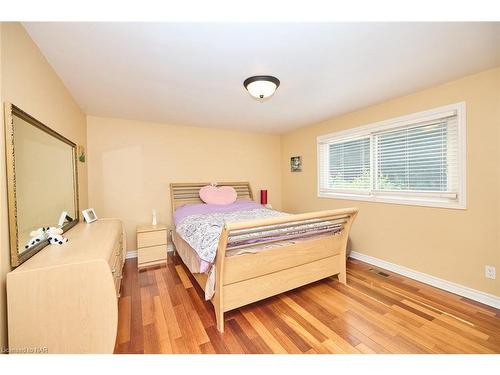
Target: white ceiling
[{"x": 192, "y": 74}]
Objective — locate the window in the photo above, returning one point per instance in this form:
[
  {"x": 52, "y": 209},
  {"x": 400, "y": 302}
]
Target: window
[{"x": 417, "y": 159}]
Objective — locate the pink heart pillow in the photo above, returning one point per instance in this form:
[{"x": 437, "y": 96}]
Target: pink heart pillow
[{"x": 218, "y": 195}]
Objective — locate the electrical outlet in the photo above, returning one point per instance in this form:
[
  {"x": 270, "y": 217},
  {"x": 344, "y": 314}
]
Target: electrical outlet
[{"x": 490, "y": 272}]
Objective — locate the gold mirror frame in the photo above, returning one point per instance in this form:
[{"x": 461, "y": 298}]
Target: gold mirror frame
[{"x": 17, "y": 258}]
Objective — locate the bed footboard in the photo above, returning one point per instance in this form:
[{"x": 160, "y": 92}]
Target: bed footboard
[{"x": 298, "y": 260}]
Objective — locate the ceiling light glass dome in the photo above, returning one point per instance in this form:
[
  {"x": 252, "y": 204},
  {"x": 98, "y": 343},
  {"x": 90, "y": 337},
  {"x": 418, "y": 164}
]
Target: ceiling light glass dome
[{"x": 261, "y": 87}]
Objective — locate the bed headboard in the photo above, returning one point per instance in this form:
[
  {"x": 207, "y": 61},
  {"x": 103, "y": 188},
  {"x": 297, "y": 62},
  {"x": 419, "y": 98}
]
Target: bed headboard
[{"x": 184, "y": 193}]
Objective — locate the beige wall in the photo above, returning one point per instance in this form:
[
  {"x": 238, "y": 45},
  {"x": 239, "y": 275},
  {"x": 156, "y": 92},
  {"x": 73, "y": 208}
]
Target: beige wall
[
  {"x": 132, "y": 163},
  {"x": 28, "y": 81},
  {"x": 451, "y": 244}
]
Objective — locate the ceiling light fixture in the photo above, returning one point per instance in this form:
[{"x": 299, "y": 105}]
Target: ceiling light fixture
[{"x": 261, "y": 87}]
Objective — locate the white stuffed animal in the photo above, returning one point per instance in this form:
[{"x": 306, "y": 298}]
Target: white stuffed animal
[
  {"x": 39, "y": 232},
  {"x": 36, "y": 237},
  {"x": 57, "y": 238},
  {"x": 53, "y": 234}
]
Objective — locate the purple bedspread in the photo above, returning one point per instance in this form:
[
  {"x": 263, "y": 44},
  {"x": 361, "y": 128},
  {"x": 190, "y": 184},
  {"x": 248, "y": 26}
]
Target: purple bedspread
[{"x": 203, "y": 208}]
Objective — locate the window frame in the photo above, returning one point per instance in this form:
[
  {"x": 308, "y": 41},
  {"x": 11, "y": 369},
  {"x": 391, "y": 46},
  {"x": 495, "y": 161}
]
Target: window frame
[{"x": 426, "y": 199}]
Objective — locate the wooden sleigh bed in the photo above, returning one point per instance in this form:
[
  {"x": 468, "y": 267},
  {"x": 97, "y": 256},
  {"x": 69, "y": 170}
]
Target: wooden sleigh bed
[{"x": 247, "y": 278}]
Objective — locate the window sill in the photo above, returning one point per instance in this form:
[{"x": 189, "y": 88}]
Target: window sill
[{"x": 436, "y": 202}]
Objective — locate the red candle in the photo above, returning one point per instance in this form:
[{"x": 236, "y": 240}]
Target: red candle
[{"x": 263, "y": 197}]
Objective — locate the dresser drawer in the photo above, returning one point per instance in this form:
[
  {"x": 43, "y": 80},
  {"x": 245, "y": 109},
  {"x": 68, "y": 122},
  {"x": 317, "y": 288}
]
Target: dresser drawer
[
  {"x": 115, "y": 265},
  {"x": 153, "y": 254},
  {"x": 118, "y": 281},
  {"x": 154, "y": 238},
  {"x": 118, "y": 247}
]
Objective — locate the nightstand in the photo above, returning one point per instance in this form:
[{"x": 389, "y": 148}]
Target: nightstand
[{"x": 151, "y": 245}]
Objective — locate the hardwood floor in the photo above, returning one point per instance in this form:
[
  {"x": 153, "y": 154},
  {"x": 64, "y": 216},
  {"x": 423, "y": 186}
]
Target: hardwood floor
[{"x": 162, "y": 310}]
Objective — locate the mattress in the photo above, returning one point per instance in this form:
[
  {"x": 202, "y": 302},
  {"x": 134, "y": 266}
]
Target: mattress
[{"x": 189, "y": 256}]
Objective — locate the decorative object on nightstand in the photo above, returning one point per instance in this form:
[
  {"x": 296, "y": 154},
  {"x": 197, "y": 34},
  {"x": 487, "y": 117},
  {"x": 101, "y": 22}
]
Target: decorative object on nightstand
[
  {"x": 263, "y": 197},
  {"x": 155, "y": 220},
  {"x": 151, "y": 245}
]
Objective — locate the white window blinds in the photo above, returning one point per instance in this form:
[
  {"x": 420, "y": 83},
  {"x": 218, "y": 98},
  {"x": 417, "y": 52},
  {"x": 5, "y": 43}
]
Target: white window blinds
[
  {"x": 349, "y": 164},
  {"x": 421, "y": 158},
  {"x": 415, "y": 161}
]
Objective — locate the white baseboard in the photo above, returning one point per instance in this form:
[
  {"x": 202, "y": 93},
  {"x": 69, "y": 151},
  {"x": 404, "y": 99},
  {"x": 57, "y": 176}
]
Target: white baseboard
[
  {"x": 133, "y": 253},
  {"x": 476, "y": 295}
]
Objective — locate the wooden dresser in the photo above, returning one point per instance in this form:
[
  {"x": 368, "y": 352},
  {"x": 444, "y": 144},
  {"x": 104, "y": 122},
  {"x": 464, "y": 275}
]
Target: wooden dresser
[{"x": 65, "y": 298}]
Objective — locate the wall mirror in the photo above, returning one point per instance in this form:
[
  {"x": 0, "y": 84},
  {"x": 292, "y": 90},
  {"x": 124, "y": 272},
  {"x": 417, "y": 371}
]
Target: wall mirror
[{"x": 42, "y": 182}]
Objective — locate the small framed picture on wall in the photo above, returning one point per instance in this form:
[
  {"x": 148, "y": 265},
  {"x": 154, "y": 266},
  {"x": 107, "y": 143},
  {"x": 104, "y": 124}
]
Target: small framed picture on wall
[{"x": 296, "y": 163}]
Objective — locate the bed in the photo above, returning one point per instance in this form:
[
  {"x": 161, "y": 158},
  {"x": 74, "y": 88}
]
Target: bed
[{"x": 258, "y": 252}]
